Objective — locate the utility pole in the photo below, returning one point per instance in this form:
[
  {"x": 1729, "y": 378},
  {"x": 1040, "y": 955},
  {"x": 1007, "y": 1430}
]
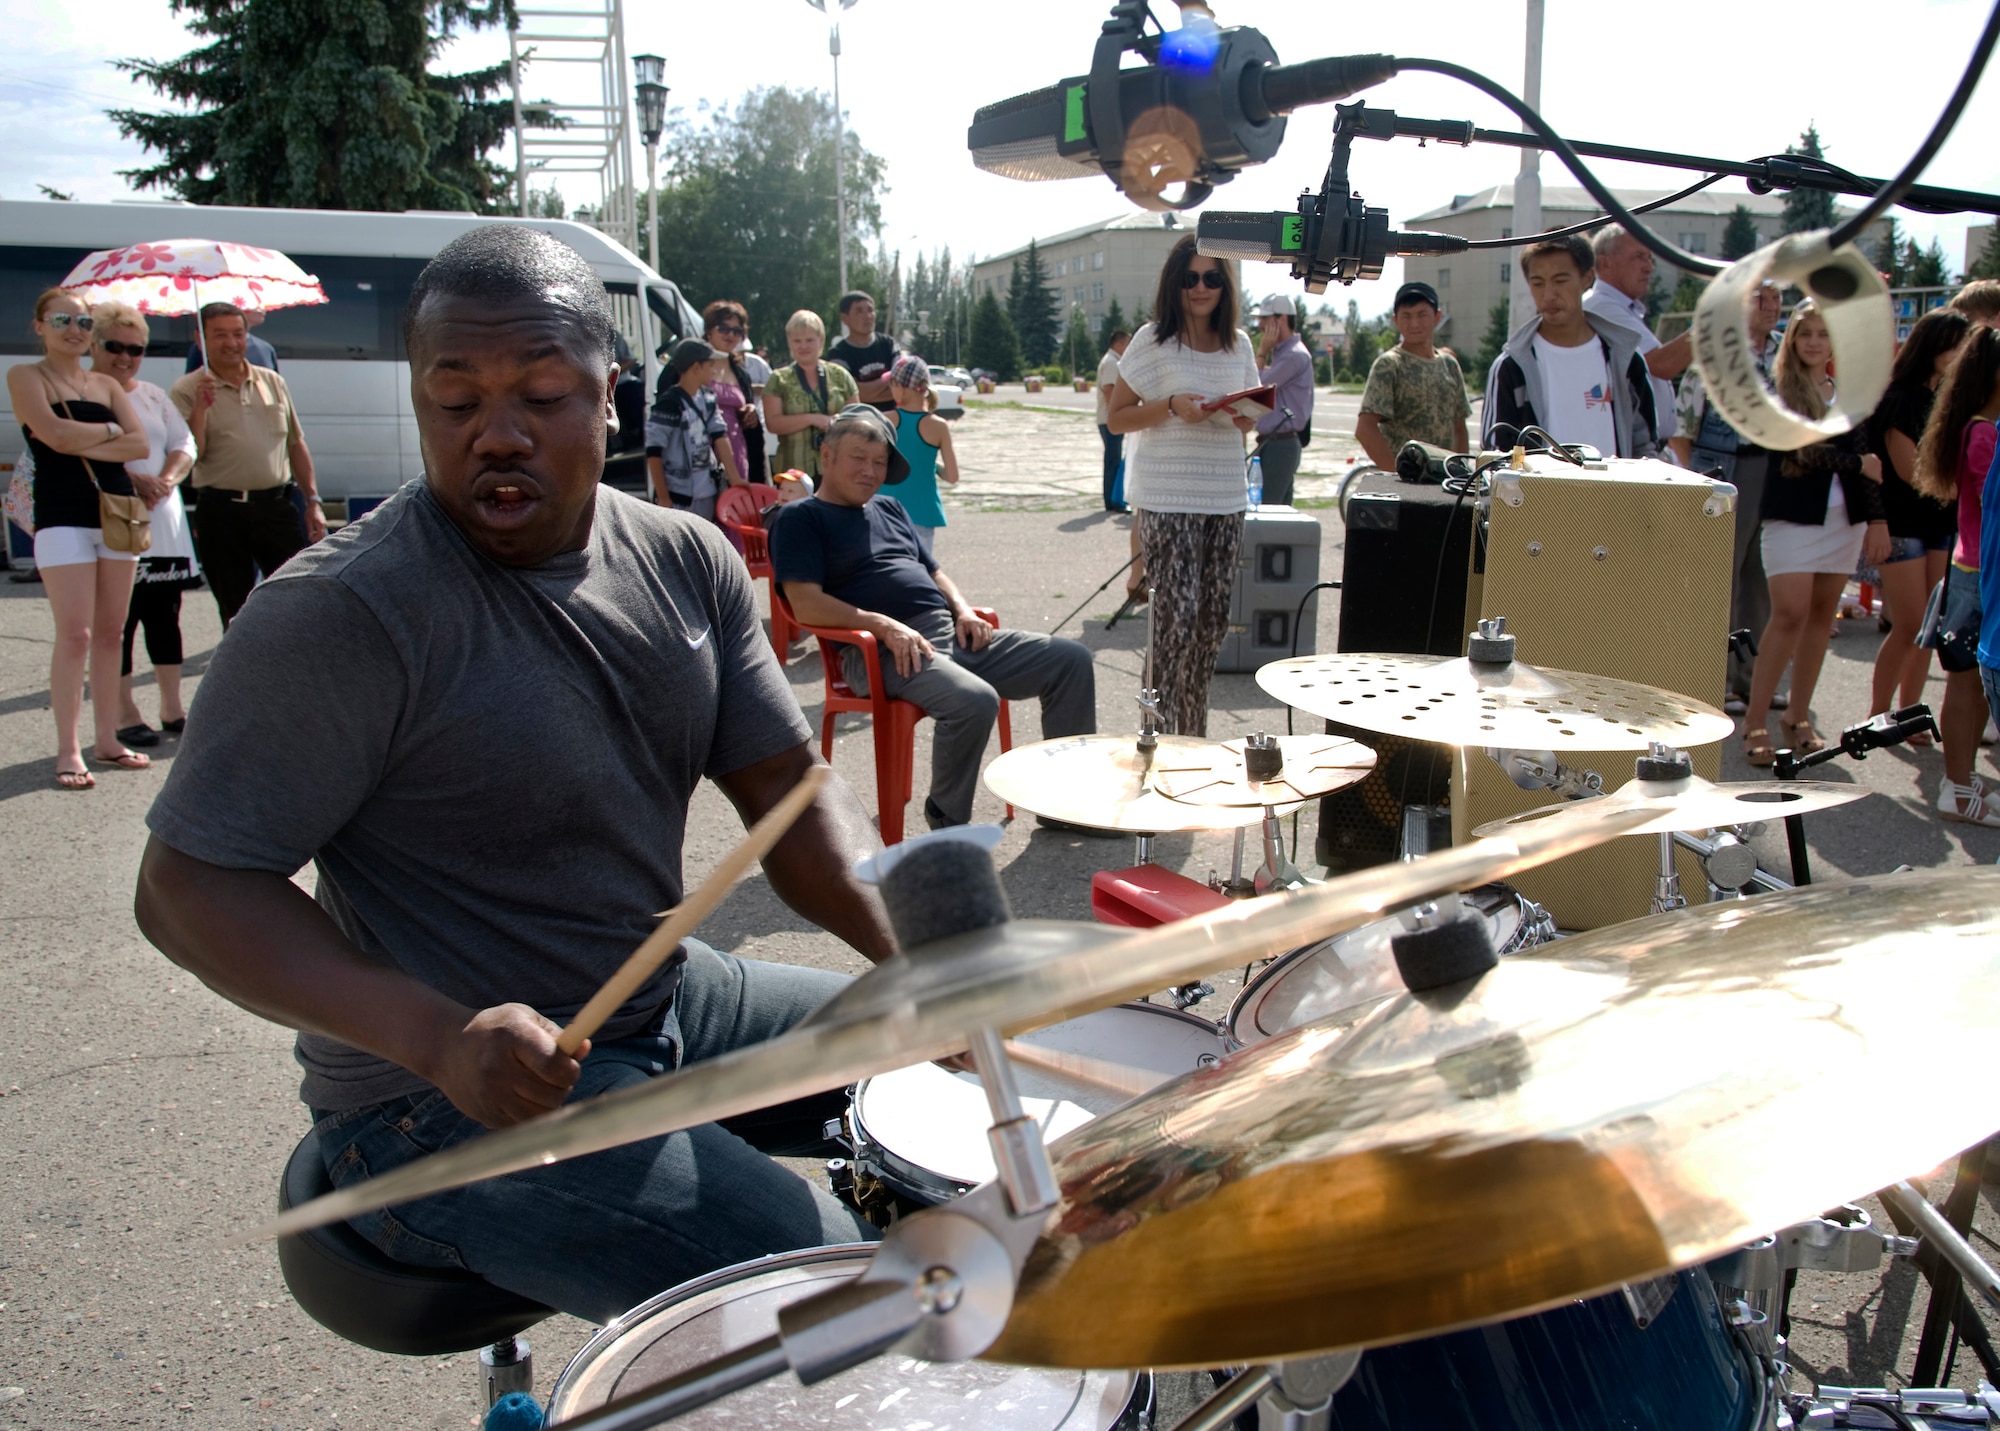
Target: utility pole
[
  {"x": 1527, "y": 183},
  {"x": 839, "y": 128}
]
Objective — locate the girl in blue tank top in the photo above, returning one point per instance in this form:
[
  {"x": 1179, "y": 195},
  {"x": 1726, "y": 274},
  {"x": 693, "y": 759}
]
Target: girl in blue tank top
[{"x": 925, "y": 440}]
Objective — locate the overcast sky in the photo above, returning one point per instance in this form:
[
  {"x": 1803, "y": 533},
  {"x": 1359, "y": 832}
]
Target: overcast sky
[{"x": 1734, "y": 80}]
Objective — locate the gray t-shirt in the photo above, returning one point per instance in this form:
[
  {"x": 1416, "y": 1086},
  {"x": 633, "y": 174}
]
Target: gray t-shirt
[{"x": 489, "y": 765}]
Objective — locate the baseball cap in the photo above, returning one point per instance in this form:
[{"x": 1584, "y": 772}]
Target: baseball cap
[
  {"x": 1416, "y": 293},
  {"x": 860, "y": 414},
  {"x": 1277, "y": 305},
  {"x": 690, "y": 351},
  {"x": 911, "y": 371}
]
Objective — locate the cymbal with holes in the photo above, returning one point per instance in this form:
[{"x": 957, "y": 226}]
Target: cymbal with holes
[
  {"x": 1698, "y": 804},
  {"x": 1315, "y": 765},
  {"x": 1590, "y": 1112},
  {"x": 1515, "y": 706},
  {"x": 1014, "y": 977},
  {"x": 1107, "y": 783}
]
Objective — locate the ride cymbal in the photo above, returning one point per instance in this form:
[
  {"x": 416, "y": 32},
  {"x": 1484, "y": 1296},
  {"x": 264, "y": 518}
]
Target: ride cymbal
[
  {"x": 1588, "y": 1113},
  {"x": 1014, "y": 977},
  {"x": 1108, "y": 783},
  {"x": 1513, "y": 706},
  {"x": 1314, "y": 765},
  {"x": 1699, "y": 804}
]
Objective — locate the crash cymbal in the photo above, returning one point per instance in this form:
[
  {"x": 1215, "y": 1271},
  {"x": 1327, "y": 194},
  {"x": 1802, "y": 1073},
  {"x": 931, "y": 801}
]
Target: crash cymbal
[
  {"x": 1590, "y": 1112},
  {"x": 1315, "y": 765},
  {"x": 1015, "y": 977},
  {"x": 1108, "y": 783},
  {"x": 1515, "y": 706},
  {"x": 1701, "y": 804}
]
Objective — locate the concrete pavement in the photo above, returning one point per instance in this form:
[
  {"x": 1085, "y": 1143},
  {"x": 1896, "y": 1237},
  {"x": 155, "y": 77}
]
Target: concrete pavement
[{"x": 143, "y": 1119}]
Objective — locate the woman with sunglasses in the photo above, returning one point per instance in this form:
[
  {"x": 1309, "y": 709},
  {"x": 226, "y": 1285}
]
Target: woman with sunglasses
[
  {"x": 1184, "y": 473},
  {"x": 81, "y": 430},
  {"x": 168, "y": 567},
  {"x": 727, "y": 324}
]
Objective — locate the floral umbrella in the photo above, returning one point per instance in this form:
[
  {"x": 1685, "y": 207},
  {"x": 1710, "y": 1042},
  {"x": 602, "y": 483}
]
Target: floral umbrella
[{"x": 175, "y": 277}]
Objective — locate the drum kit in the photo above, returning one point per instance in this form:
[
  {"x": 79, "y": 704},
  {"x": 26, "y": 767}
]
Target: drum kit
[{"x": 1437, "y": 1168}]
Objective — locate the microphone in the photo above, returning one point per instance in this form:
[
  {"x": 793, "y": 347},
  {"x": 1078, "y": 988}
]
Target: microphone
[{"x": 1175, "y": 119}]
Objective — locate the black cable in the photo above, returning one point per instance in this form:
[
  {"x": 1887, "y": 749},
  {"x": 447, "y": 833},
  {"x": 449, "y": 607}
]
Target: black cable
[
  {"x": 1299, "y": 617},
  {"x": 1559, "y": 146},
  {"x": 1934, "y": 141},
  {"x": 1598, "y": 223}
]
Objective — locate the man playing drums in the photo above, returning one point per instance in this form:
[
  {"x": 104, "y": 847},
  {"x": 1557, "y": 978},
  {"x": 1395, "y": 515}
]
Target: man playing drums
[{"x": 481, "y": 712}]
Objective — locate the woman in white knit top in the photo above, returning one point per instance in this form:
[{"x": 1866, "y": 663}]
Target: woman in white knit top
[{"x": 1184, "y": 471}]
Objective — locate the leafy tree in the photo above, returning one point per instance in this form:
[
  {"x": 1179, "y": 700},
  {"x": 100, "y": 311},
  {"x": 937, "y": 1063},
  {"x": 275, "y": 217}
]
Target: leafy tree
[
  {"x": 1687, "y": 294},
  {"x": 1987, "y": 265},
  {"x": 1924, "y": 268},
  {"x": 993, "y": 344},
  {"x": 1492, "y": 343},
  {"x": 325, "y": 104},
  {"x": 1034, "y": 307},
  {"x": 548, "y": 204},
  {"x": 1079, "y": 345},
  {"x": 748, "y": 214},
  {"x": 1114, "y": 319},
  {"x": 1808, "y": 209},
  {"x": 1739, "y": 240}
]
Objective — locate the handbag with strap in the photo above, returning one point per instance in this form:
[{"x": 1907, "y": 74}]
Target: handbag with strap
[
  {"x": 127, "y": 523},
  {"x": 1951, "y": 628}
]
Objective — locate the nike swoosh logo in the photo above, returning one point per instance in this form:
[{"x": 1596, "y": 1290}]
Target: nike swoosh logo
[{"x": 696, "y": 644}]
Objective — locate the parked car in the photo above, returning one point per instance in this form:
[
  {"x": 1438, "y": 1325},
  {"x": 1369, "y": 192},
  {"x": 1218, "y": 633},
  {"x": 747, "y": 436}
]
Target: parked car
[{"x": 959, "y": 377}]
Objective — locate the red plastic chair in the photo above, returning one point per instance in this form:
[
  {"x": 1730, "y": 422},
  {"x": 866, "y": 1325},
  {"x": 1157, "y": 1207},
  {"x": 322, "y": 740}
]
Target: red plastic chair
[
  {"x": 738, "y": 510},
  {"x": 895, "y": 722}
]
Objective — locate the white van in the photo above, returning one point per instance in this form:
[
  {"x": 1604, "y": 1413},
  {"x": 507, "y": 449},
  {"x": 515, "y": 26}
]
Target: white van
[{"x": 343, "y": 359}]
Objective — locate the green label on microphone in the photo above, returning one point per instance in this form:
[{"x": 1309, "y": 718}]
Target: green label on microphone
[
  {"x": 1074, "y": 131},
  {"x": 1293, "y": 233}
]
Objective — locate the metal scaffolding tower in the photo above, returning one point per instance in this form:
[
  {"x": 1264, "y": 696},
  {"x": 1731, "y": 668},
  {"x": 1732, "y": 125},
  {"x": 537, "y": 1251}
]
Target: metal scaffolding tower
[{"x": 581, "y": 124}]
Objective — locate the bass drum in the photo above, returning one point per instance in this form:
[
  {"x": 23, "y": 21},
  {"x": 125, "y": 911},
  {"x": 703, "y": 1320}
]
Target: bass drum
[
  {"x": 920, "y": 1133},
  {"x": 1356, "y": 968},
  {"x": 729, "y": 1310},
  {"x": 1587, "y": 1366}
]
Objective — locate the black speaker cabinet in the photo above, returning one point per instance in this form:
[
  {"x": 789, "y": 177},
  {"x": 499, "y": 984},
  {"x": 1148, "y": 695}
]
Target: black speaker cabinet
[{"x": 1405, "y": 571}]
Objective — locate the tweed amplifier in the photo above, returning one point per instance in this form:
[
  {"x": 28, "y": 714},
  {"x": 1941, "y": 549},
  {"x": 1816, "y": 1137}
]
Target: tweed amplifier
[{"x": 1618, "y": 569}]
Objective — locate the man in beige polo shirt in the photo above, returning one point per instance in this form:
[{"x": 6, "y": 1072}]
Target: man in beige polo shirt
[{"x": 251, "y": 464}]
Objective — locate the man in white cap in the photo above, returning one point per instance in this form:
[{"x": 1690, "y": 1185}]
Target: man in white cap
[{"x": 1284, "y": 363}]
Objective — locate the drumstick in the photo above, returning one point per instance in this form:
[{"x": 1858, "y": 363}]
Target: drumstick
[
  {"x": 1118, "y": 1077},
  {"x": 682, "y": 918}
]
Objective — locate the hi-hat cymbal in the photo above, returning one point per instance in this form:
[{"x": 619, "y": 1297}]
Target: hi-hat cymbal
[
  {"x": 1315, "y": 765},
  {"x": 1591, "y": 1112},
  {"x": 1516, "y": 706},
  {"x": 1014, "y": 977},
  {"x": 1108, "y": 783},
  {"x": 1699, "y": 804}
]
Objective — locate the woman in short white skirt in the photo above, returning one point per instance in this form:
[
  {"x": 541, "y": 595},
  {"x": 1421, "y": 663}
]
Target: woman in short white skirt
[{"x": 1822, "y": 516}]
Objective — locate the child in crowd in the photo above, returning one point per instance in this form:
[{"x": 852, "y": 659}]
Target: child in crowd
[
  {"x": 688, "y": 456},
  {"x": 924, "y": 439}
]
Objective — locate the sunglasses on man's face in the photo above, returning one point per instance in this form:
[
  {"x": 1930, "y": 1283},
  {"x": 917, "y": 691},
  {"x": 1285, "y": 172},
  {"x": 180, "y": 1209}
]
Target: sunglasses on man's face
[
  {"x": 1211, "y": 279},
  {"x": 729, "y": 330},
  {"x": 60, "y": 321},
  {"x": 122, "y": 350}
]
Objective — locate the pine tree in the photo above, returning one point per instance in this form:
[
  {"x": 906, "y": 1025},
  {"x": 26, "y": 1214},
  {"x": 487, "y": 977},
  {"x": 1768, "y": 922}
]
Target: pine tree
[
  {"x": 1926, "y": 267},
  {"x": 1492, "y": 343},
  {"x": 1035, "y": 309},
  {"x": 1114, "y": 319},
  {"x": 1739, "y": 240},
  {"x": 1987, "y": 265},
  {"x": 325, "y": 104},
  {"x": 993, "y": 344},
  {"x": 1687, "y": 294},
  {"x": 1808, "y": 209},
  {"x": 1079, "y": 345},
  {"x": 1888, "y": 257}
]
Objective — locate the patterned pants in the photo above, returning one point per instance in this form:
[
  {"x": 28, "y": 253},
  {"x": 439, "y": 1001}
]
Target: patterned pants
[{"x": 1191, "y": 566}]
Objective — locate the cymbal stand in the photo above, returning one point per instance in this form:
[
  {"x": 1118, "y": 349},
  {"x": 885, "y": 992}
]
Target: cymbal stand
[
  {"x": 1670, "y": 769},
  {"x": 1149, "y": 721},
  {"x": 1298, "y": 1393},
  {"x": 1875, "y": 733}
]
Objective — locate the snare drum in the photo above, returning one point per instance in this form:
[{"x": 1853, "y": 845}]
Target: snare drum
[
  {"x": 1587, "y": 1366},
  {"x": 728, "y": 1310},
  {"x": 1356, "y": 968},
  {"x": 921, "y": 1132}
]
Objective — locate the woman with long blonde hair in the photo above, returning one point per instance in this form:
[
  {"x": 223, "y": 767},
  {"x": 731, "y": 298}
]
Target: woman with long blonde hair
[{"x": 1822, "y": 516}]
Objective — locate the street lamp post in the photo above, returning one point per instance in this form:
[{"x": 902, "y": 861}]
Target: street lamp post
[
  {"x": 652, "y": 119},
  {"x": 839, "y": 127}
]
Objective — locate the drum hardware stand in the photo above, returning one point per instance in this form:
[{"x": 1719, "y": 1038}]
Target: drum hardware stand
[
  {"x": 1662, "y": 764},
  {"x": 507, "y": 1365},
  {"x": 1122, "y": 610},
  {"x": 1299, "y": 1394},
  {"x": 1540, "y": 770},
  {"x": 1876, "y": 733},
  {"x": 1948, "y": 1262}
]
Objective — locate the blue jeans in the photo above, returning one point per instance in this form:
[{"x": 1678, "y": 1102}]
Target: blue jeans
[
  {"x": 597, "y": 1235},
  {"x": 1989, "y": 677}
]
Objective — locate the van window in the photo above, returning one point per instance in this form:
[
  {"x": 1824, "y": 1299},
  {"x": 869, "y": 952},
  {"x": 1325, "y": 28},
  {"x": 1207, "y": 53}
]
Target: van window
[{"x": 24, "y": 272}]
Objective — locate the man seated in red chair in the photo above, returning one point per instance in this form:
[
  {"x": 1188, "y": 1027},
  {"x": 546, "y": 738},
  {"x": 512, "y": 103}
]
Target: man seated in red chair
[{"x": 848, "y": 557}]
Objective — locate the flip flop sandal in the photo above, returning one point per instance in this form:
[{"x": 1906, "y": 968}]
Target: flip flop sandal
[
  {"x": 123, "y": 760},
  {"x": 1757, "y": 747},
  {"x": 75, "y": 780}
]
